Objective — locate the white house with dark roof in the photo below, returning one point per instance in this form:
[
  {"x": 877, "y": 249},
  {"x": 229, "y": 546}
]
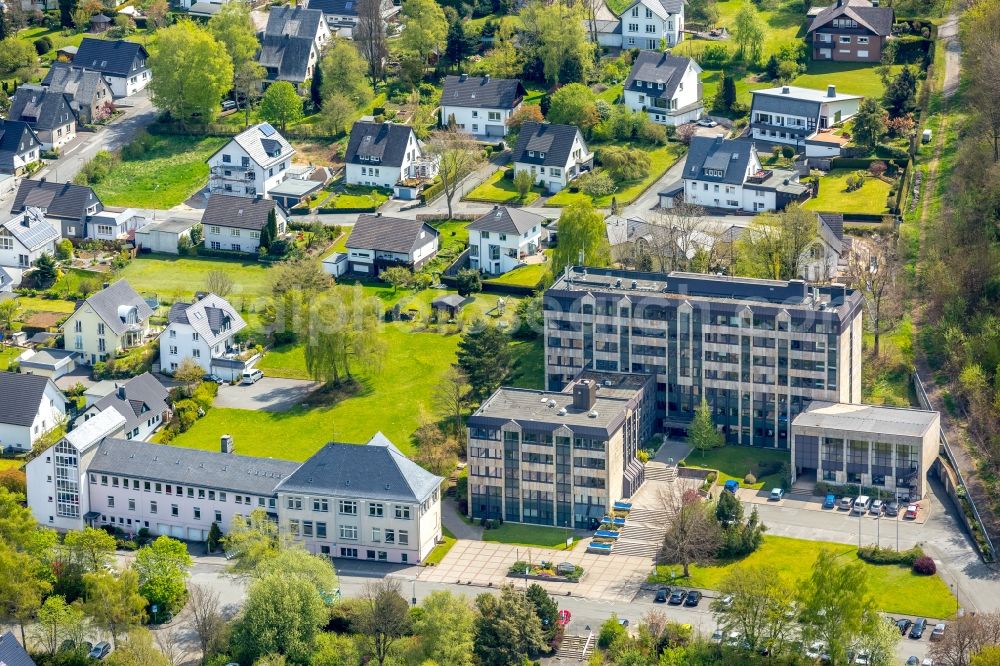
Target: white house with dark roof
[
  {"x": 46, "y": 111},
  {"x": 88, "y": 91},
  {"x": 292, "y": 42},
  {"x": 377, "y": 242},
  {"x": 31, "y": 406},
  {"x": 666, "y": 87},
  {"x": 480, "y": 105},
  {"x": 107, "y": 323},
  {"x": 253, "y": 162},
  {"x": 111, "y": 225},
  {"x": 385, "y": 155},
  {"x": 124, "y": 64},
  {"x": 500, "y": 240},
  {"x": 68, "y": 204},
  {"x": 553, "y": 154},
  {"x": 20, "y": 147},
  {"x": 205, "y": 332},
  {"x": 25, "y": 237},
  {"x": 141, "y": 401},
  {"x": 644, "y": 23},
  {"x": 235, "y": 223},
  {"x": 800, "y": 117},
  {"x": 342, "y": 15}
]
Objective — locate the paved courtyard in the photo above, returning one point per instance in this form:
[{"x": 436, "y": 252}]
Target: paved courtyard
[{"x": 270, "y": 394}]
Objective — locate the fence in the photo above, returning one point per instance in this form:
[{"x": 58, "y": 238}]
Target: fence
[{"x": 925, "y": 403}]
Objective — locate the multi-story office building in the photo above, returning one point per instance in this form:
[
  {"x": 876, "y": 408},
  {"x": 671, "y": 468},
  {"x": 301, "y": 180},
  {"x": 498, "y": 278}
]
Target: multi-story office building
[
  {"x": 559, "y": 458},
  {"x": 757, "y": 350}
]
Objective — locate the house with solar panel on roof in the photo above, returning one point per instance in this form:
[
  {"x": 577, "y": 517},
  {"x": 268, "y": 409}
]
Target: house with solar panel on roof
[{"x": 251, "y": 164}]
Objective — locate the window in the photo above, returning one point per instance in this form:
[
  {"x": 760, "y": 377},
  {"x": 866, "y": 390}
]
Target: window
[
  {"x": 234, "y": 232},
  {"x": 348, "y": 508},
  {"x": 376, "y": 509},
  {"x": 131, "y": 505},
  {"x": 213, "y": 229},
  {"x": 218, "y": 516},
  {"x": 294, "y": 503},
  {"x": 320, "y": 530},
  {"x": 376, "y": 534},
  {"x": 349, "y": 532},
  {"x": 404, "y": 538},
  {"x": 197, "y": 513},
  {"x": 152, "y": 507},
  {"x": 390, "y": 536},
  {"x": 321, "y": 505},
  {"x": 845, "y": 39},
  {"x": 862, "y": 40},
  {"x": 174, "y": 510},
  {"x": 307, "y": 528},
  {"x": 293, "y": 527},
  {"x": 111, "y": 501},
  {"x": 402, "y": 512}
]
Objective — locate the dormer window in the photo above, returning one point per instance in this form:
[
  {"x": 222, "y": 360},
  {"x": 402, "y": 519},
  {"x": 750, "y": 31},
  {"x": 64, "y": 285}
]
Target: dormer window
[
  {"x": 541, "y": 156},
  {"x": 531, "y": 153}
]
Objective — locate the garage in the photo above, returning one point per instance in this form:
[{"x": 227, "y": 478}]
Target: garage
[
  {"x": 163, "y": 530},
  {"x": 195, "y": 534},
  {"x": 177, "y": 532}
]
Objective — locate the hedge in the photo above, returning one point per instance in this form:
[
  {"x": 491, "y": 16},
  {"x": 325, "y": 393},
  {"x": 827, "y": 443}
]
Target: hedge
[
  {"x": 299, "y": 211},
  {"x": 877, "y": 555},
  {"x": 326, "y": 210},
  {"x": 865, "y": 162},
  {"x": 433, "y": 190},
  {"x": 851, "y": 490}
]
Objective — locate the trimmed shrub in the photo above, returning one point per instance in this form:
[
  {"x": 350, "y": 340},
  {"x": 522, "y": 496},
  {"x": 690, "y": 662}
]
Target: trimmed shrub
[
  {"x": 43, "y": 45},
  {"x": 749, "y": 479},
  {"x": 877, "y": 555},
  {"x": 925, "y": 566}
]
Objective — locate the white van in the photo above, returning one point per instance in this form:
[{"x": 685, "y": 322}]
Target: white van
[
  {"x": 862, "y": 504},
  {"x": 251, "y": 376}
]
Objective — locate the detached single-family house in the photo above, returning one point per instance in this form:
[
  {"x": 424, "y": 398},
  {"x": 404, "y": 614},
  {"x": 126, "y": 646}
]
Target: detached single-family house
[
  {"x": 820, "y": 261},
  {"x": 25, "y": 237},
  {"x": 31, "y": 406},
  {"x": 553, "y": 154},
  {"x": 115, "y": 225},
  {"x": 108, "y": 323},
  {"x": 11, "y": 652},
  {"x": 49, "y": 113},
  {"x": 89, "y": 92},
  {"x": 378, "y": 242},
  {"x": 235, "y": 223},
  {"x": 20, "y": 147},
  {"x": 142, "y": 402},
  {"x": 386, "y": 155},
  {"x": 292, "y": 42},
  {"x": 205, "y": 331},
  {"x": 252, "y": 163},
  {"x": 342, "y": 15},
  {"x": 727, "y": 174},
  {"x": 800, "y": 117},
  {"x": 646, "y": 22},
  {"x": 124, "y": 64},
  {"x": 500, "y": 240},
  {"x": 666, "y": 87},
  {"x": 69, "y": 205},
  {"x": 480, "y": 105},
  {"x": 851, "y": 31}
]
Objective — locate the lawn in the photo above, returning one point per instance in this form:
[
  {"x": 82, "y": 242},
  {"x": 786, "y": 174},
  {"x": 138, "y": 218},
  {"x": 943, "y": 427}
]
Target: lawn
[
  {"x": 833, "y": 196},
  {"x": 528, "y": 535},
  {"x": 529, "y": 364},
  {"x": 523, "y": 276},
  {"x": 168, "y": 173},
  {"x": 390, "y": 402},
  {"x": 497, "y": 189},
  {"x": 896, "y": 588},
  {"x": 711, "y": 79},
  {"x": 661, "y": 158},
  {"x": 438, "y": 553},
  {"x": 733, "y": 462},
  {"x": 783, "y": 25},
  {"x": 33, "y": 304},
  {"x": 851, "y": 78},
  {"x": 7, "y": 356},
  {"x": 357, "y": 197},
  {"x": 177, "y": 278}
]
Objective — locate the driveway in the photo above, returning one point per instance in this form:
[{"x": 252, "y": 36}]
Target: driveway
[{"x": 270, "y": 394}]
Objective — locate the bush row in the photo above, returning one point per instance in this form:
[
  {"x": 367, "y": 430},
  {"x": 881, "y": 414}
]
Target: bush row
[{"x": 877, "y": 555}]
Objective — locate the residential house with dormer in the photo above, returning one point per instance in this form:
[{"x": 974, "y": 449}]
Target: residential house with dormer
[
  {"x": 90, "y": 95},
  {"x": 108, "y": 323},
  {"x": 342, "y": 15},
  {"x": 205, "y": 332},
  {"x": 553, "y": 154},
  {"x": 235, "y": 223},
  {"x": 124, "y": 64},
  {"x": 480, "y": 105},
  {"x": 141, "y": 401},
  {"x": 20, "y": 147},
  {"x": 385, "y": 155},
  {"x": 32, "y": 405},
  {"x": 851, "y": 31},
  {"x": 666, "y": 87},
  {"x": 254, "y": 161},
  {"x": 503, "y": 238},
  {"x": 25, "y": 237},
  {"x": 69, "y": 205},
  {"x": 292, "y": 43},
  {"x": 47, "y": 112}
]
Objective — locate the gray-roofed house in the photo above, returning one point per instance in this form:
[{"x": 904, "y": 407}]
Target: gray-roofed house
[
  {"x": 480, "y": 105},
  {"x": 12, "y": 653},
  {"x": 727, "y": 174},
  {"x": 47, "y": 362},
  {"x": 25, "y": 237},
  {"x": 115, "y": 225},
  {"x": 90, "y": 94},
  {"x": 503, "y": 238},
  {"x": 342, "y": 15},
  {"x": 46, "y": 111},
  {"x": 205, "y": 331},
  {"x": 386, "y": 155},
  {"x": 666, "y": 87},
  {"x": 71, "y": 205},
  {"x": 646, "y": 22},
  {"x": 31, "y": 406},
  {"x": 377, "y": 242},
  {"x": 252, "y": 163},
  {"x": 20, "y": 147},
  {"x": 235, "y": 223},
  {"x": 799, "y": 117},
  {"x": 851, "y": 31},
  {"x": 164, "y": 236},
  {"x": 108, "y": 323},
  {"x": 292, "y": 42},
  {"x": 142, "y": 402},
  {"x": 553, "y": 154},
  {"x": 373, "y": 503},
  {"x": 124, "y": 64}
]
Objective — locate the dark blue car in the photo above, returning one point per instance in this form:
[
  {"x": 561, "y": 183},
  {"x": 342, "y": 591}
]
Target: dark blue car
[{"x": 732, "y": 485}]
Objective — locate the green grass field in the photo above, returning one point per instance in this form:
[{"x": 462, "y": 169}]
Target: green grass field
[
  {"x": 357, "y": 197},
  {"x": 177, "y": 278},
  {"x": 529, "y": 364},
  {"x": 497, "y": 189},
  {"x": 448, "y": 540},
  {"x": 833, "y": 196},
  {"x": 528, "y": 535},
  {"x": 33, "y": 304},
  {"x": 661, "y": 158},
  {"x": 733, "y": 462},
  {"x": 711, "y": 79},
  {"x": 852, "y": 78},
  {"x": 390, "y": 402},
  {"x": 8, "y": 355},
  {"x": 896, "y": 588},
  {"x": 172, "y": 170},
  {"x": 523, "y": 276}
]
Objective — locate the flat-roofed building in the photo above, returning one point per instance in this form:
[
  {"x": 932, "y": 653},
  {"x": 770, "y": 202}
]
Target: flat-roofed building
[
  {"x": 559, "y": 458},
  {"x": 866, "y": 445}
]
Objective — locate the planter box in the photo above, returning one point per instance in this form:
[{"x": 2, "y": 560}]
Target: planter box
[{"x": 555, "y": 579}]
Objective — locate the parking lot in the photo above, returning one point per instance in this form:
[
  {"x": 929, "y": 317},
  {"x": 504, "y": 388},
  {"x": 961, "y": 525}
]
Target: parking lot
[{"x": 270, "y": 394}]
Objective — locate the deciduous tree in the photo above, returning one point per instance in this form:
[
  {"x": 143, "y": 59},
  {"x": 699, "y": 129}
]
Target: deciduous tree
[
  {"x": 458, "y": 156},
  {"x": 574, "y": 104},
  {"x": 873, "y": 269},
  {"x": 383, "y": 617},
  {"x": 371, "y": 40},
  {"x": 581, "y": 232},
  {"x": 445, "y": 622},
  {"x": 425, "y": 28},
  {"x": 340, "y": 333},
  {"x": 21, "y": 594},
  {"x": 507, "y": 630},
  {"x": 966, "y": 636},
  {"x": 282, "y": 615},
  {"x": 219, "y": 282},
  {"x": 281, "y": 104},
  {"x": 556, "y": 34},
  {"x": 869, "y": 124},
  {"x": 748, "y": 33},
  {"x": 184, "y": 91},
  {"x": 451, "y": 396},
  {"x": 90, "y": 548},
  {"x": 188, "y": 372},
  {"x": 113, "y": 602},
  {"x": 693, "y": 534},
  {"x": 251, "y": 540},
  {"x": 759, "y": 608},
  {"x": 162, "y": 568},
  {"x": 56, "y": 622},
  {"x": 522, "y": 183},
  {"x": 206, "y": 620}
]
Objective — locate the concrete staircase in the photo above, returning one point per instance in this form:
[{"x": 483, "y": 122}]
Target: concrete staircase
[
  {"x": 643, "y": 533},
  {"x": 660, "y": 472},
  {"x": 575, "y": 649}
]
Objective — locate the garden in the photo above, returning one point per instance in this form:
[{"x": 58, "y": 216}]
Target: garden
[
  {"x": 852, "y": 191},
  {"x": 500, "y": 188},
  {"x": 620, "y": 188},
  {"x": 737, "y": 462},
  {"x": 564, "y": 572}
]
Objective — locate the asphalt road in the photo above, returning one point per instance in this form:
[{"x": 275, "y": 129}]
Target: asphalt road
[{"x": 269, "y": 394}]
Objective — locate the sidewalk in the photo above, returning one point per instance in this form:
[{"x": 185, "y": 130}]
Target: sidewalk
[{"x": 452, "y": 519}]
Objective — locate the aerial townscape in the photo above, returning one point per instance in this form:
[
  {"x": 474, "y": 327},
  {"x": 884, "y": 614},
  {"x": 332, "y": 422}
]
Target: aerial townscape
[{"x": 499, "y": 332}]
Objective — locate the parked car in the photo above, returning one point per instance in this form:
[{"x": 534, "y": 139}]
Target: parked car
[
  {"x": 911, "y": 511},
  {"x": 732, "y": 485},
  {"x": 861, "y": 505},
  {"x": 937, "y": 633},
  {"x": 845, "y": 504},
  {"x": 100, "y": 651},
  {"x": 913, "y": 661},
  {"x": 717, "y": 636},
  {"x": 904, "y": 625},
  {"x": 661, "y": 595},
  {"x": 228, "y": 105},
  {"x": 707, "y": 122},
  {"x": 776, "y": 494},
  {"x": 830, "y": 502},
  {"x": 892, "y": 509},
  {"x": 917, "y": 630},
  {"x": 733, "y": 638},
  {"x": 693, "y": 597},
  {"x": 252, "y": 376},
  {"x": 726, "y": 601},
  {"x": 624, "y": 623},
  {"x": 877, "y": 507},
  {"x": 816, "y": 650},
  {"x": 927, "y": 662},
  {"x": 678, "y": 597},
  {"x": 862, "y": 659},
  {"x": 212, "y": 377}
]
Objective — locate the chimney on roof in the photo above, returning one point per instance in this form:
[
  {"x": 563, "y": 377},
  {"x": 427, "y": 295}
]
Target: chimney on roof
[
  {"x": 831, "y": 90},
  {"x": 463, "y": 76},
  {"x": 718, "y": 139},
  {"x": 486, "y": 78},
  {"x": 584, "y": 395},
  {"x": 121, "y": 392},
  {"x": 785, "y": 90},
  {"x": 227, "y": 444}
]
